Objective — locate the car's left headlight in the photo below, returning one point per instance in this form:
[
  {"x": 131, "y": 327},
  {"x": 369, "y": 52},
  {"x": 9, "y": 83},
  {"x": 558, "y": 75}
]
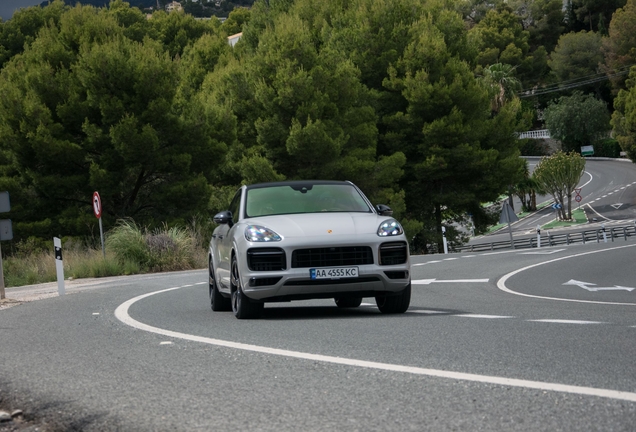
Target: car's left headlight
[
  {"x": 390, "y": 227},
  {"x": 257, "y": 233}
]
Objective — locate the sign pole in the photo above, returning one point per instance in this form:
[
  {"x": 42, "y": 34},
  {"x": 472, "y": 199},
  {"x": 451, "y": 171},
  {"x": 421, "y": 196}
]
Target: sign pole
[
  {"x": 2, "y": 295},
  {"x": 97, "y": 209},
  {"x": 101, "y": 235}
]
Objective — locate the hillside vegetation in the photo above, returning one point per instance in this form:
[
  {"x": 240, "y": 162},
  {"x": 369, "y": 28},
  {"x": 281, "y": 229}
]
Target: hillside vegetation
[{"x": 418, "y": 102}]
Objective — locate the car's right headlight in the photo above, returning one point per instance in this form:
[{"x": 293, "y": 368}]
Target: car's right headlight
[
  {"x": 390, "y": 227},
  {"x": 257, "y": 233}
]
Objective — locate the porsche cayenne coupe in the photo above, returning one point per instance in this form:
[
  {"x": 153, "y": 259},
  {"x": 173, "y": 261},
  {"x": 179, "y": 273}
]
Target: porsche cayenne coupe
[{"x": 300, "y": 240}]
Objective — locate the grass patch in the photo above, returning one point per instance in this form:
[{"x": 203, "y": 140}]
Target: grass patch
[{"x": 578, "y": 217}]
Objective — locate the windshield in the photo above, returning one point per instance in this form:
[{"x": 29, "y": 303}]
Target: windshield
[{"x": 286, "y": 199}]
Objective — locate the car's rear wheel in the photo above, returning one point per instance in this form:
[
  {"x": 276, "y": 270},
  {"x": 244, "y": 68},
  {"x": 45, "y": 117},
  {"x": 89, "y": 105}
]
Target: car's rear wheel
[
  {"x": 242, "y": 306},
  {"x": 218, "y": 303},
  {"x": 396, "y": 303},
  {"x": 348, "y": 302}
]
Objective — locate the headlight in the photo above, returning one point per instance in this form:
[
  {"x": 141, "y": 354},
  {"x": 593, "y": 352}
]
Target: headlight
[
  {"x": 256, "y": 233},
  {"x": 389, "y": 228}
]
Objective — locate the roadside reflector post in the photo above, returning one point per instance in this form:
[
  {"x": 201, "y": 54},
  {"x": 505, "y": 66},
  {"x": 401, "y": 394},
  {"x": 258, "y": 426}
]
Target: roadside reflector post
[
  {"x": 444, "y": 240},
  {"x": 59, "y": 265},
  {"x": 604, "y": 233}
]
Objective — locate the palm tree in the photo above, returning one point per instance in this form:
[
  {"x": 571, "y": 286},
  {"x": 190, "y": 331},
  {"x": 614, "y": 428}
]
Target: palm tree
[{"x": 501, "y": 83}]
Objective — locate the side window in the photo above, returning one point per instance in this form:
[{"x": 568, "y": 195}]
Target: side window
[{"x": 235, "y": 205}]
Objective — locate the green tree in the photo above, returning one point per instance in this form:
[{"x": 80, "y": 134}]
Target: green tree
[
  {"x": 457, "y": 156},
  {"x": 624, "y": 116},
  {"x": 501, "y": 38},
  {"x": 21, "y": 30},
  {"x": 619, "y": 47},
  {"x": 577, "y": 55},
  {"x": 559, "y": 175},
  {"x": 593, "y": 15},
  {"x": 85, "y": 108},
  {"x": 577, "y": 120},
  {"x": 235, "y": 21}
]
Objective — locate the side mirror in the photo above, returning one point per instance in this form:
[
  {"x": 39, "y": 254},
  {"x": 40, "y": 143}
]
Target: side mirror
[
  {"x": 384, "y": 210},
  {"x": 223, "y": 217}
]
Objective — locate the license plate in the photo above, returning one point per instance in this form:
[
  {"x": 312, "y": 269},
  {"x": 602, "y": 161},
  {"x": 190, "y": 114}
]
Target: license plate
[{"x": 334, "y": 273}]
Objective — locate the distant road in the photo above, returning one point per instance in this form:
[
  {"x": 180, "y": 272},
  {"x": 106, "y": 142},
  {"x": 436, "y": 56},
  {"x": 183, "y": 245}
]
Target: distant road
[{"x": 608, "y": 192}]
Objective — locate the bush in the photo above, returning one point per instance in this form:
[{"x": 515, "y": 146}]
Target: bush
[
  {"x": 534, "y": 147},
  {"x": 607, "y": 148},
  {"x": 164, "y": 249}
]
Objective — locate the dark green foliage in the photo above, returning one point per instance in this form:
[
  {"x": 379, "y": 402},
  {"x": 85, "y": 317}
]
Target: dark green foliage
[
  {"x": 607, "y": 148},
  {"x": 165, "y": 119},
  {"x": 534, "y": 147}
]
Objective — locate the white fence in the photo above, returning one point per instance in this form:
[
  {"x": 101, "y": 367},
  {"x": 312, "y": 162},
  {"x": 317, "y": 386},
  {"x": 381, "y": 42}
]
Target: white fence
[{"x": 535, "y": 134}]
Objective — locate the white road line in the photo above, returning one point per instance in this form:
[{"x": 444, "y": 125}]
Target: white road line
[
  {"x": 450, "y": 259},
  {"x": 469, "y": 256},
  {"x": 425, "y": 311},
  {"x": 430, "y": 281},
  {"x": 122, "y": 314},
  {"x": 562, "y": 321},
  {"x": 481, "y": 316},
  {"x": 501, "y": 283}
]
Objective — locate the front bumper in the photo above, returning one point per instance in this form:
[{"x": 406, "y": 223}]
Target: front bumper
[{"x": 379, "y": 273}]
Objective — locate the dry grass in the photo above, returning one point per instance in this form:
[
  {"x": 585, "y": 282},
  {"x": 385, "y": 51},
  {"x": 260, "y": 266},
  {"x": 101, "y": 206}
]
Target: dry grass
[{"x": 129, "y": 250}]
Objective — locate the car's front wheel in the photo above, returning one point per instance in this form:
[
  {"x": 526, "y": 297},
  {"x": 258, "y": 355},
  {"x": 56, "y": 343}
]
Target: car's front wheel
[
  {"x": 218, "y": 303},
  {"x": 348, "y": 302},
  {"x": 242, "y": 306},
  {"x": 396, "y": 303}
]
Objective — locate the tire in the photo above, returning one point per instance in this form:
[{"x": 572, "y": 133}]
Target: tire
[
  {"x": 242, "y": 306},
  {"x": 218, "y": 302},
  {"x": 395, "y": 304},
  {"x": 348, "y": 302}
]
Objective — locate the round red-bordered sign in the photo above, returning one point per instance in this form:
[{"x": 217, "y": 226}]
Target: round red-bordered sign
[{"x": 97, "y": 205}]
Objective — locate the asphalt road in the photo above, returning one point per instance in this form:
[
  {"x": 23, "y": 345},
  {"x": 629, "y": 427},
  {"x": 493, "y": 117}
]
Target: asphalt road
[
  {"x": 608, "y": 196},
  {"x": 492, "y": 341}
]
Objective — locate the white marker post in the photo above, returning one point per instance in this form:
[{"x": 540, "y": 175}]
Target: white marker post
[
  {"x": 444, "y": 240},
  {"x": 538, "y": 236},
  {"x": 59, "y": 265},
  {"x": 604, "y": 234}
]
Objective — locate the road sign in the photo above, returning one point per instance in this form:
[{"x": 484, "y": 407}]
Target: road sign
[
  {"x": 556, "y": 206},
  {"x": 578, "y": 198},
  {"x": 5, "y": 204},
  {"x": 507, "y": 214},
  {"x": 587, "y": 150},
  {"x": 97, "y": 205},
  {"x": 6, "y": 229}
]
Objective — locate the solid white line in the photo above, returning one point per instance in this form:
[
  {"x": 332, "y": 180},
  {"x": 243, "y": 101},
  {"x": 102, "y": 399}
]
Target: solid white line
[
  {"x": 482, "y": 316},
  {"x": 426, "y": 311},
  {"x": 562, "y": 321},
  {"x": 430, "y": 281},
  {"x": 501, "y": 283},
  {"x": 122, "y": 314}
]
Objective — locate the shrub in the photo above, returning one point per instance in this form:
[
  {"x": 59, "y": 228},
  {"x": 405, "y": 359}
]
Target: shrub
[{"x": 607, "y": 148}]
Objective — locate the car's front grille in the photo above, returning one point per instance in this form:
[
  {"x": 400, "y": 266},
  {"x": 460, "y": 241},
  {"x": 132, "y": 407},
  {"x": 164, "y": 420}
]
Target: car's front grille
[
  {"x": 332, "y": 257},
  {"x": 266, "y": 259},
  {"x": 393, "y": 253}
]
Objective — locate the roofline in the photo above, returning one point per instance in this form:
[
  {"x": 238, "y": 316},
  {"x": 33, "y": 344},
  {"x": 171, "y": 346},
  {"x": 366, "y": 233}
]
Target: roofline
[{"x": 298, "y": 183}]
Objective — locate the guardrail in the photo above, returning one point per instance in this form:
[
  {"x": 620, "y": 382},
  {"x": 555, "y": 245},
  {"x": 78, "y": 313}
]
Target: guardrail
[{"x": 596, "y": 236}]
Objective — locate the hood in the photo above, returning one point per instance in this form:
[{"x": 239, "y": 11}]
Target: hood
[{"x": 320, "y": 224}]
